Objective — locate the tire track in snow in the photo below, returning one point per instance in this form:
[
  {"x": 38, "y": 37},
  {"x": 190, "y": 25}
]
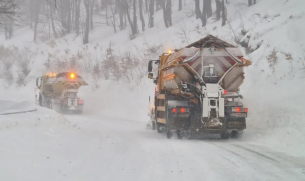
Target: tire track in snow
[
  {"x": 257, "y": 153},
  {"x": 278, "y": 169}
]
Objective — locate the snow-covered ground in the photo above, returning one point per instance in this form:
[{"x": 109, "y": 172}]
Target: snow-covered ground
[
  {"x": 110, "y": 140},
  {"x": 47, "y": 146}
]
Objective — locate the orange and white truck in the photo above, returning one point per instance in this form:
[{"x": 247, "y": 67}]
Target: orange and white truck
[
  {"x": 60, "y": 90},
  {"x": 197, "y": 89}
]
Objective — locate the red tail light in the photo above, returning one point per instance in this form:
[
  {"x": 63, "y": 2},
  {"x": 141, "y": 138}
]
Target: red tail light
[
  {"x": 237, "y": 109},
  {"x": 246, "y": 109},
  {"x": 182, "y": 110},
  {"x": 80, "y": 102},
  {"x": 225, "y": 92},
  {"x": 174, "y": 110}
]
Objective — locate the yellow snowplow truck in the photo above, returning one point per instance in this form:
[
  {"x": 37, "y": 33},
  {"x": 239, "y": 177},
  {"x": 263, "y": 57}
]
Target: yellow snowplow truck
[
  {"x": 60, "y": 90},
  {"x": 197, "y": 89}
]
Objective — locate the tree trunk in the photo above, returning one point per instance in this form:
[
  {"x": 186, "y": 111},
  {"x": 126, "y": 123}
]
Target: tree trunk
[
  {"x": 132, "y": 24},
  {"x": 135, "y": 23},
  {"x": 208, "y": 8},
  {"x": 249, "y": 3},
  {"x": 106, "y": 5},
  {"x": 52, "y": 22},
  {"x": 159, "y": 4},
  {"x": 37, "y": 11},
  {"x": 151, "y": 13},
  {"x": 121, "y": 15},
  {"x": 87, "y": 24},
  {"x": 77, "y": 16},
  {"x": 254, "y": 2},
  {"x": 91, "y": 13},
  {"x": 145, "y": 6},
  {"x": 141, "y": 14},
  {"x": 73, "y": 15},
  {"x": 197, "y": 9},
  {"x": 113, "y": 18},
  {"x": 169, "y": 12},
  {"x": 180, "y": 5},
  {"x": 224, "y": 13},
  {"x": 6, "y": 32},
  {"x": 218, "y": 9},
  {"x": 69, "y": 18},
  {"x": 203, "y": 14}
]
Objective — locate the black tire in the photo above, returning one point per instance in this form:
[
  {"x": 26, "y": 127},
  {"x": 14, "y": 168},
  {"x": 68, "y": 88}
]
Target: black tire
[
  {"x": 153, "y": 125},
  {"x": 169, "y": 134},
  {"x": 159, "y": 128},
  {"x": 235, "y": 134},
  {"x": 49, "y": 104},
  {"x": 179, "y": 134},
  {"x": 40, "y": 100}
]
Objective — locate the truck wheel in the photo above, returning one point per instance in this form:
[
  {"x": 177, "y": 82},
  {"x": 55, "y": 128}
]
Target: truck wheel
[
  {"x": 40, "y": 100},
  {"x": 235, "y": 134},
  {"x": 179, "y": 134},
  {"x": 169, "y": 134},
  {"x": 153, "y": 125},
  {"x": 159, "y": 128},
  {"x": 49, "y": 104}
]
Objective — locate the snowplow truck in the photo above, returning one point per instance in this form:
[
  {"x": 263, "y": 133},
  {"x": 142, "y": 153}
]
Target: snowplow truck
[
  {"x": 197, "y": 89},
  {"x": 60, "y": 90}
]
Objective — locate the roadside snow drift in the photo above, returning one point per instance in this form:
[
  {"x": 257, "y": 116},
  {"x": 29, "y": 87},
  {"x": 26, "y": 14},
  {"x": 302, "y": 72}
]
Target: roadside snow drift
[{"x": 11, "y": 107}]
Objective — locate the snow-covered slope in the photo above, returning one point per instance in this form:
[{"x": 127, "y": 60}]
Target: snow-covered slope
[{"x": 273, "y": 90}]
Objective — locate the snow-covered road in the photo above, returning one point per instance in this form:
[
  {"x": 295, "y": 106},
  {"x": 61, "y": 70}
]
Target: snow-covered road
[{"x": 83, "y": 147}]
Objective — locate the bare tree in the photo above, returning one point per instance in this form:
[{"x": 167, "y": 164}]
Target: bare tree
[
  {"x": 180, "y": 5},
  {"x": 167, "y": 13},
  {"x": 77, "y": 15},
  {"x": 249, "y": 2},
  {"x": 151, "y": 13},
  {"x": 141, "y": 14},
  {"x": 204, "y": 13},
  {"x": 87, "y": 23},
  {"x": 197, "y": 9},
  {"x": 218, "y": 9},
  {"x": 122, "y": 13},
  {"x": 208, "y": 8},
  {"x": 224, "y": 14},
  {"x": 37, "y": 11},
  {"x": 7, "y": 12},
  {"x": 133, "y": 23}
]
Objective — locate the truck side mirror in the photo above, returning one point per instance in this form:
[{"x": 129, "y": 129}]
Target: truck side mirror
[
  {"x": 150, "y": 75},
  {"x": 150, "y": 66},
  {"x": 38, "y": 82}
]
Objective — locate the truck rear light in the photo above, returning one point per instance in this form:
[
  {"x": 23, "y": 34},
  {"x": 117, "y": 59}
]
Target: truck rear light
[
  {"x": 80, "y": 102},
  {"x": 180, "y": 110},
  {"x": 225, "y": 92},
  {"x": 239, "y": 109}
]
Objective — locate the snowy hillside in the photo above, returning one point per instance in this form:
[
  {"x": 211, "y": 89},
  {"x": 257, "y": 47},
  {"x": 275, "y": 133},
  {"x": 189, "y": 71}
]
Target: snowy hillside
[{"x": 271, "y": 34}]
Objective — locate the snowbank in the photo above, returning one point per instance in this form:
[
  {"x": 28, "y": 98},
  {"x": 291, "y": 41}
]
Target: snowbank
[
  {"x": 10, "y": 107},
  {"x": 273, "y": 90}
]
